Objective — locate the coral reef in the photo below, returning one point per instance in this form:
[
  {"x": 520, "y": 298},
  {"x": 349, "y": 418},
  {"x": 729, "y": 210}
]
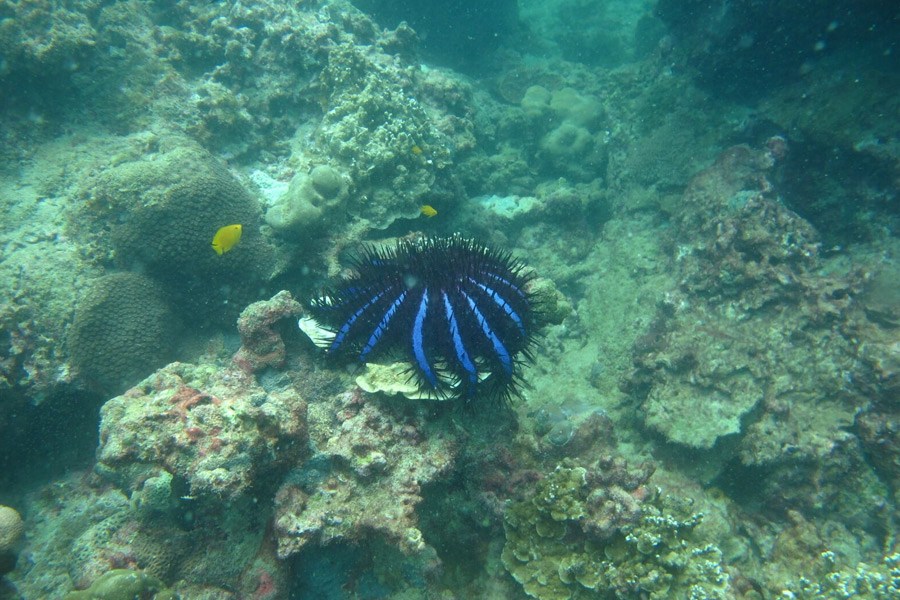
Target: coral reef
[
  {"x": 600, "y": 532},
  {"x": 82, "y": 530},
  {"x": 372, "y": 125},
  {"x": 763, "y": 339},
  {"x": 122, "y": 331},
  {"x": 44, "y": 40},
  {"x": 867, "y": 582},
  {"x": 756, "y": 300},
  {"x": 745, "y": 259},
  {"x": 196, "y": 448}
]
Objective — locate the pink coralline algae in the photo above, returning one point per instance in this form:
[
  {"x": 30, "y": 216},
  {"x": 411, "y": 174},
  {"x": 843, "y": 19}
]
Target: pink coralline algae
[
  {"x": 373, "y": 467},
  {"x": 213, "y": 428},
  {"x": 261, "y": 345}
]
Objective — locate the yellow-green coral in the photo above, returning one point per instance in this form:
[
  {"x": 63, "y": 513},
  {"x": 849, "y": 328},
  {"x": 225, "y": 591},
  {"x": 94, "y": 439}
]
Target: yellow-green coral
[
  {"x": 124, "y": 584},
  {"x": 554, "y": 550}
]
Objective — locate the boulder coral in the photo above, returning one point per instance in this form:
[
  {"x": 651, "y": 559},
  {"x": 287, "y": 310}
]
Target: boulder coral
[
  {"x": 122, "y": 331},
  {"x": 162, "y": 209},
  {"x": 572, "y": 143},
  {"x": 311, "y": 203}
]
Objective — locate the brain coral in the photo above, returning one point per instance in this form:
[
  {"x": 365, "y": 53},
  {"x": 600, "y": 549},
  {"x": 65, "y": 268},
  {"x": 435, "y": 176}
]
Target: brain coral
[
  {"x": 121, "y": 331},
  {"x": 11, "y": 528},
  {"x": 164, "y": 208}
]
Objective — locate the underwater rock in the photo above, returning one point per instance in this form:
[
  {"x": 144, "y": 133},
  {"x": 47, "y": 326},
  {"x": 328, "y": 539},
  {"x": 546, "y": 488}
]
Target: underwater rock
[
  {"x": 366, "y": 479},
  {"x": 212, "y": 428},
  {"x": 122, "y": 331},
  {"x": 261, "y": 344}
]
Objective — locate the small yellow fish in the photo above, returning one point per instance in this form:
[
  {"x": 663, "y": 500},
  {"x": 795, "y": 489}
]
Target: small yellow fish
[
  {"x": 428, "y": 210},
  {"x": 416, "y": 150},
  {"x": 226, "y": 238}
]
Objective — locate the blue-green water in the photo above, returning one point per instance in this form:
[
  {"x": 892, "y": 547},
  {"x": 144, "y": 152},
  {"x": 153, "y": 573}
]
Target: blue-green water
[{"x": 703, "y": 200}]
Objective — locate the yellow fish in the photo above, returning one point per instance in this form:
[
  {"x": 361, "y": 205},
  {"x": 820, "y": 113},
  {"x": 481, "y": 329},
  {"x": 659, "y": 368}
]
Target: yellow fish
[
  {"x": 428, "y": 210},
  {"x": 416, "y": 150},
  {"x": 226, "y": 238}
]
